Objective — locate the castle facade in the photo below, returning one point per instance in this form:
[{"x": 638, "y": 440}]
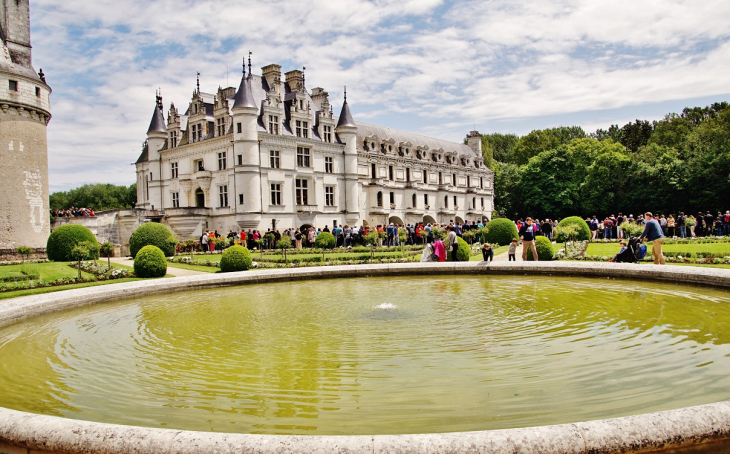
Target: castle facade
[{"x": 272, "y": 154}]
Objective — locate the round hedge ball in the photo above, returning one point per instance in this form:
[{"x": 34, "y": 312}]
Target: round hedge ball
[
  {"x": 150, "y": 262},
  {"x": 325, "y": 240},
  {"x": 544, "y": 249},
  {"x": 500, "y": 231},
  {"x": 463, "y": 254},
  {"x": 63, "y": 239},
  {"x": 155, "y": 234},
  {"x": 584, "y": 233},
  {"x": 236, "y": 258}
]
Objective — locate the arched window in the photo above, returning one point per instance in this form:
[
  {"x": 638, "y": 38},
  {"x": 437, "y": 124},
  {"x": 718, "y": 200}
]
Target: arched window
[
  {"x": 380, "y": 199},
  {"x": 446, "y": 201},
  {"x": 413, "y": 201}
]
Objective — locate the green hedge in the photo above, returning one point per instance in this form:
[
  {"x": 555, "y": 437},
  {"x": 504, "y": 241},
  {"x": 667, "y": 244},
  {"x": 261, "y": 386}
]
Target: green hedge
[
  {"x": 325, "y": 240},
  {"x": 150, "y": 262},
  {"x": 463, "y": 254},
  {"x": 64, "y": 238},
  {"x": 544, "y": 249},
  {"x": 236, "y": 258},
  {"x": 155, "y": 234},
  {"x": 500, "y": 232},
  {"x": 584, "y": 233}
]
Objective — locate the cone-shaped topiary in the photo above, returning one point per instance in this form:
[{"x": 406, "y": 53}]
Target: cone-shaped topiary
[
  {"x": 499, "y": 231},
  {"x": 584, "y": 233},
  {"x": 64, "y": 238},
  {"x": 150, "y": 262},
  {"x": 236, "y": 258},
  {"x": 325, "y": 240},
  {"x": 155, "y": 234},
  {"x": 463, "y": 254},
  {"x": 544, "y": 249}
]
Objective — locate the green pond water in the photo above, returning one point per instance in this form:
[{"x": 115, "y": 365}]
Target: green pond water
[{"x": 457, "y": 353}]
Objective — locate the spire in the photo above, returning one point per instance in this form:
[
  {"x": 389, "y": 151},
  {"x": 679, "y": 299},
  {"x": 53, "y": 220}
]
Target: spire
[
  {"x": 304, "y": 68},
  {"x": 158, "y": 118},
  {"x": 244, "y": 95},
  {"x": 244, "y": 67},
  {"x": 198, "y": 83},
  {"x": 345, "y": 120}
]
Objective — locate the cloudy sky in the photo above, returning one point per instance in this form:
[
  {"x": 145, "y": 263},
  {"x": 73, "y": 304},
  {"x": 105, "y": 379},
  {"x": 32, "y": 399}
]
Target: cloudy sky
[{"x": 429, "y": 66}]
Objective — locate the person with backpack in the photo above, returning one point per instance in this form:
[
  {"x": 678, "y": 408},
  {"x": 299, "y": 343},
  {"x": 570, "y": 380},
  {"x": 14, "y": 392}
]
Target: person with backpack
[
  {"x": 681, "y": 225},
  {"x": 607, "y": 229}
]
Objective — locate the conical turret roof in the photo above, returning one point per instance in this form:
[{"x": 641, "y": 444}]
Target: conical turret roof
[
  {"x": 244, "y": 95},
  {"x": 158, "y": 119},
  {"x": 346, "y": 119}
]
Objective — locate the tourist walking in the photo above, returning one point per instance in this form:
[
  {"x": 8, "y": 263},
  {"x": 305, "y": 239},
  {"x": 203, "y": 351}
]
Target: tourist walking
[
  {"x": 452, "y": 243},
  {"x": 512, "y": 251},
  {"x": 527, "y": 235},
  {"x": 653, "y": 232}
]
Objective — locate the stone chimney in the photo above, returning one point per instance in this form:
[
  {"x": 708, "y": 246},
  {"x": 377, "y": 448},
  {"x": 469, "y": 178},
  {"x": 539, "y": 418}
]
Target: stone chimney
[
  {"x": 474, "y": 140},
  {"x": 295, "y": 80},
  {"x": 272, "y": 74},
  {"x": 321, "y": 99}
]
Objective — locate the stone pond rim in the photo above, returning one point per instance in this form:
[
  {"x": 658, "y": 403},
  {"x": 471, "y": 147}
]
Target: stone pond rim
[{"x": 699, "y": 429}]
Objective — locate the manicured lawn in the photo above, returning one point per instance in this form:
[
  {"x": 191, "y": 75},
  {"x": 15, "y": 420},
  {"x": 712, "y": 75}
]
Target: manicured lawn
[
  {"x": 206, "y": 269},
  {"x": 48, "y": 270},
  {"x": 611, "y": 249},
  {"x": 497, "y": 251},
  {"x": 37, "y": 291}
]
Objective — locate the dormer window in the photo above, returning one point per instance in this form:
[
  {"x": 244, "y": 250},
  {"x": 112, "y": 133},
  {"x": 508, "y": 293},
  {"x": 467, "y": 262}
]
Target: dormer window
[
  {"x": 195, "y": 108},
  {"x": 273, "y": 124},
  {"x": 327, "y": 133}
]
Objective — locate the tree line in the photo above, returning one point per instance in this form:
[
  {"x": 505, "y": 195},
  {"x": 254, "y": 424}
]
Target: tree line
[
  {"x": 678, "y": 163},
  {"x": 98, "y": 196}
]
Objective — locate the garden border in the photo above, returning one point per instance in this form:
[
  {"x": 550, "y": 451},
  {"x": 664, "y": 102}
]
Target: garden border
[{"x": 700, "y": 429}]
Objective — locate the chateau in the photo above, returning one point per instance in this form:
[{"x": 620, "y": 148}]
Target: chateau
[
  {"x": 24, "y": 115},
  {"x": 272, "y": 154}
]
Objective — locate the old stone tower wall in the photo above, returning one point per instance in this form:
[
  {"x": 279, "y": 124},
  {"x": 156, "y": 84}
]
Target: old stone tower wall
[{"x": 24, "y": 115}]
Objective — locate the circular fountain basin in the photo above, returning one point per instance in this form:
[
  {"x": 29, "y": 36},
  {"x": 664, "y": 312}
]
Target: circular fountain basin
[{"x": 405, "y": 349}]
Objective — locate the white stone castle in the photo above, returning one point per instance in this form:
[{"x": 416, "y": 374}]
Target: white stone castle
[{"x": 272, "y": 155}]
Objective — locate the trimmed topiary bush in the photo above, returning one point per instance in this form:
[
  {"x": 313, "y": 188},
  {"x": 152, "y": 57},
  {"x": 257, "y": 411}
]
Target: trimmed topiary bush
[
  {"x": 584, "y": 233},
  {"x": 463, "y": 254},
  {"x": 150, "y": 262},
  {"x": 499, "y": 231},
  {"x": 236, "y": 258},
  {"x": 325, "y": 240},
  {"x": 544, "y": 249},
  {"x": 64, "y": 238},
  {"x": 155, "y": 234}
]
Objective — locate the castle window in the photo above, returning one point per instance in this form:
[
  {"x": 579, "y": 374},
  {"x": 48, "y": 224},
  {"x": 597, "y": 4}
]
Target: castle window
[
  {"x": 390, "y": 173},
  {"x": 441, "y": 178},
  {"x": 302, "y": 157},
  {"x": 240, "y": 159},
  {"x": 373, "y": 172},
  {"x": 173, "y": 139},
  {"x": 455, "y": 205},
  {"x": 38, "y": 91},
  {"x": 276, "y": 194},
  {"x": 273, "y": 124},
  {"x": 392, "y": 198},
  {"x": 453, "y": 179},
  {"x": 446, "y": 201},
  {"x": 195, "y": 108},
  {"x": 238, "y": 127},
  {"x": 328, "y": 164},
  {"x": 221, "y": 126},
  {"x": 222, "y": 161},
  {"x": 301, "y": 192},
  {"x": 425, "y": 176},
  {"x": 327, "y": 133},
  {"x": 474, "y": 202},
  {"x": 176, "y": 200},
  {"x": 240, "y": 199},
  {"x": 413, "y": 201},
  {"x": 274, "y": 159},
  {"x": 198, "y": 165},
  {"x": 13, "y": 85},
  {"x": 425, "y": 199},
  {"x": 408, "y": 174},
  {"x": 481, "y": 182},
  {"x": 299, "y": 128},
  {"x": 379, "y": 199},
  {"x": 482, "y": 203},
  {"x": 305, "y": 129},
  {"x": 468, "y": 181},
  {"x": 329, "y": 196},
  {"x": 173, "y": 170},
  {"x": 223, "y": 195}
]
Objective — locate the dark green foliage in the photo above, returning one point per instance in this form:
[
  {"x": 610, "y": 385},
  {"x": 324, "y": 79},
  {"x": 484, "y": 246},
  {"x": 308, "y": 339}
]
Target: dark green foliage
[
  {"x": 63, "y": 239},
  {"x": 502, "y": 146},
  {"x": 463, "y": 254},
  {"x": 584, "y": 233},
  {"x": 544, "y": 249},
  {"x": 25, "y": 251},
  {"x": 499, "y": 231},
  {"x": 150, "y": 262},
  {"x": 325, "y": 240},
  {"x": 236, "y": 258},
  {"x": 97, "y": 196},
  {"x": 538, "y": 141},
  {"x": 153, "y": 233}
]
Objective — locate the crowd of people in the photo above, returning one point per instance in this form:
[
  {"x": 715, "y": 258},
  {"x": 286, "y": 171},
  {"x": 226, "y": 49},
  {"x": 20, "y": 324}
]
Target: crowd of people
[
  {"x": 73, "y": 212},
  {"x": 679, "y": 226}
]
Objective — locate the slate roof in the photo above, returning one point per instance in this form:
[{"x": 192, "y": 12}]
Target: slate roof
[
  {"x": 157, "y": 124},
  {"x": 383, "y": 133},
  {"x": 345, "y": 117},
  {"x": 244, "y": 96}
]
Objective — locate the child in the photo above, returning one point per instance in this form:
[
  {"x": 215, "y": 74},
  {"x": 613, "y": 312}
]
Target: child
[
  {"x": 487, "y": 252},
  {"x": 623, "y": 248},
  {"x": 512, "y": 250}
]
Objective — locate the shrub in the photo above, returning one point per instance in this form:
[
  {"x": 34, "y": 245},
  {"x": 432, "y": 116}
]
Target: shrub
[
  {"x": 325, "y": 240},
  {"x": 150, "y": 262},
  {"x": 25, "y": 251},
  {"x": 64, "y": 238},
  {"x": 236, "y": 258},
  {"x": 463, "y": 254},
  {"x": 544, "y": 249},
  {"x": 499, "y": 232},
  {"x": 584, "y": 233},
  {"x": 155, "y": 234}
]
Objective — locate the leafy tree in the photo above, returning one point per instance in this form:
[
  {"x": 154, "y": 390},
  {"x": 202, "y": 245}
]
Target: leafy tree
[
  {"x": 636, "y": 135},
  {"x": 25, "y": 251},
  {"x": 539, "y": 141},
  {"x": 507, "y": 193},
  {"x": 97, "y": 196},
  {"x": 502, "y": 146},
  {"x": 604, "y": 188},
  {"x": 107, "y": 250},
  {"x": 614, "y": 132},
  {"x": 85, "y": 250}
]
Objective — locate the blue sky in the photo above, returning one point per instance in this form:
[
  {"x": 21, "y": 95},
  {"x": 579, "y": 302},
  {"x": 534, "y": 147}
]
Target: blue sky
[{"x": 428, "y": 66}]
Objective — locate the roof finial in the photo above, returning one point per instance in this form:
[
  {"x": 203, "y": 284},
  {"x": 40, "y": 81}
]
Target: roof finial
[
  {"x": 345, "y": 93},
  {"x": 158, "y": 98},
  {"x": 249, "y": 62},
  {"x": 198, "y": 82},
  {"x": 244, "y": 66},
  {"x": 304, "y": 68}
]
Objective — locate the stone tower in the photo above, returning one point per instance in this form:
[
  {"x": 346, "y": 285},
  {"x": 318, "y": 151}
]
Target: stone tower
[{"x": 24, "y": 114}]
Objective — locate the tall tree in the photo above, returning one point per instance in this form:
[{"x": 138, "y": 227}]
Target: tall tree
[{"x": 541, "y": 140}]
